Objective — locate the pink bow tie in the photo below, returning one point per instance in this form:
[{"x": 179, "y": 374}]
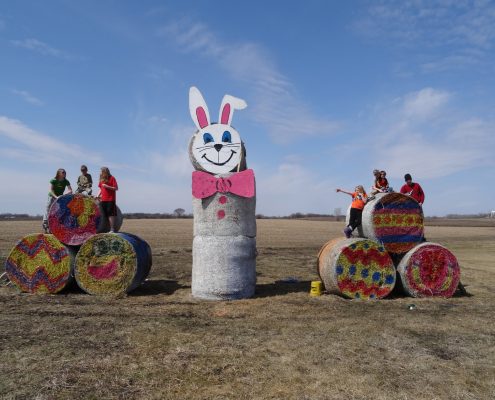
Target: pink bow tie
[{"x": 206, "y": 185}]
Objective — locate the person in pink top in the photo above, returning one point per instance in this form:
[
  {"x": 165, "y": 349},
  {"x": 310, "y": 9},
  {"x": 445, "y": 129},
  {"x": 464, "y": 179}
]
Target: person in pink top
[
  {"x": 108, "y": 195},
  {"x": 413, "y": 189}
]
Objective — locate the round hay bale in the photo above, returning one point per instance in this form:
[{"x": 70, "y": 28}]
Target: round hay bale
[
  {"x": 394, "y": 219},
  {"x": 39, "y": 263},
  {"x": 429, "y": 270},
  {"x": 112, "y": 264},
  {"x": 225, "y": 214},
  {"x": 73, "y": 218},
  {"x": 356, "y": 268},
  {"x": 105, "y": 224},
  {"x": 224, "y": 268}
]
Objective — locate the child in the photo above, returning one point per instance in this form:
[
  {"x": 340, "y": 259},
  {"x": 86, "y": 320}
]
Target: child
[
  {"x": 108, "y": 188},
  {"x": 380, "y": 185},
  {"x": 57, "y": 189},
  {"x": 84, "y": 182},
  {"x": 359, "y": 199}
]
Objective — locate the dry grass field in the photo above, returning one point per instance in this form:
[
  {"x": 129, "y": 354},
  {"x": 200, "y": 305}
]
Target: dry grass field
[{"x": 160, "y": 343}]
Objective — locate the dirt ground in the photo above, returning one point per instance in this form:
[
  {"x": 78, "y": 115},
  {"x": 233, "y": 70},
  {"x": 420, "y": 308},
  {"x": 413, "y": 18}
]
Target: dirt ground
[{"x": 160, "y": 343}]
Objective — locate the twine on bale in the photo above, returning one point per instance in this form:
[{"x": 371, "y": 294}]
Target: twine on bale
[
  {"x": 73, "y": 218},
  {"x": 356, "y": 268},
  {"x": 395, "y": 220},
  {"x": 112, "y": 264},
  {"x": 429, "y": 270},
  {"x": 39, "y": 263}
]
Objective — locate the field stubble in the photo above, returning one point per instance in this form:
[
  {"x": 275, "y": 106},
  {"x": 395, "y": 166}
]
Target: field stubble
[{"x": 160, "y": 343}]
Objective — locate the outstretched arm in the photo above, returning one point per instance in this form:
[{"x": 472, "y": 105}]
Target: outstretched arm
[{"x": 343, "y": 191}]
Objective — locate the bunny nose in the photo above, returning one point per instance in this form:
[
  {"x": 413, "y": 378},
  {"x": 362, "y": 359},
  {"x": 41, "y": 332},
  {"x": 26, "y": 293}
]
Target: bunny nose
[{"x": 218, "y": 147}]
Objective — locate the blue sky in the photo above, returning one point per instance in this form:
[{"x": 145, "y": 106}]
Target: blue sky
[{"x": 334, "y": 90}]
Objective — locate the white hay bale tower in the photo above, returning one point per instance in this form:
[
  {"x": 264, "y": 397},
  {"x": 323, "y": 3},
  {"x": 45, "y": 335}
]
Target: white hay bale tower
[
  {"x": 429, "y": 270},
  {"x": 224, "y": 203},
  {"x": 356, "y": 268}
]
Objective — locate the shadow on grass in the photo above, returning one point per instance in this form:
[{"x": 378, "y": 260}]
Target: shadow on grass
[
  {"x": 281, "y": 287},
  {"x": 157, "y": 286}
]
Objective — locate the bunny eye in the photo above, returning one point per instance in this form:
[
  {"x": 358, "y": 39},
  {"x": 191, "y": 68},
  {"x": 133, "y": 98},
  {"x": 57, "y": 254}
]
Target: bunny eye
[
  {"x": 208, "y": 138},
  {"x": 227, "y": 137}
]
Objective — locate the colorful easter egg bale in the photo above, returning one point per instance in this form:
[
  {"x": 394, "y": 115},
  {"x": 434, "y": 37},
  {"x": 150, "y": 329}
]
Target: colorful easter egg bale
[
  {"x": 394, "y": 219},
  {"x": 356, "y": 268},
  {"x": 39, "y": 263},
  {"x": 112, "y": 264},
  {"x": 429, "y": 270},
  {"x": 74, "y": 218}
]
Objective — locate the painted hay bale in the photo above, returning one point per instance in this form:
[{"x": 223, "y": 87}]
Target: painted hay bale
[
  {"x": 356, "y": 268},
  {"x": 39, "y": 263},
  {"x": 73, "y": 218},
  {"x": 112, "y": 264},
  {"x": 429, "y": 270},
  {"x": 225, "y": 214},
  {"x": 224, "y": 268},
  {"x": 394, "y": 219},
  {"x": 105, "y": 224}
]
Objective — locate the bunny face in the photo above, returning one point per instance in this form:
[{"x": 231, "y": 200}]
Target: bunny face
[{"x": 215, "y": 148}]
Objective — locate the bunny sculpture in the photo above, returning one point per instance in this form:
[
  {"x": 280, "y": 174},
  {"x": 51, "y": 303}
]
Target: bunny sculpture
[{"x": 224, "y": 202}]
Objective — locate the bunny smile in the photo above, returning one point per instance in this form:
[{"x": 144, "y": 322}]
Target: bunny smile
[{"x": 232, "y": 152}]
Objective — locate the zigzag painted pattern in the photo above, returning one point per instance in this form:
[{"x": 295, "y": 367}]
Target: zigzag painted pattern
[{"x": 40, "y": 277}]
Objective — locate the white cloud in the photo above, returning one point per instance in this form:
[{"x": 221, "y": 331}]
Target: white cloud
[
  {"x": 424, "y": 103},
  {"x": 46, "y": 147},
  {"x": 41, "y": 48},
  {"x": 278, "y": 107},
  {"x": 28, "y": 97},
  {"x": 421, "y": 134}
]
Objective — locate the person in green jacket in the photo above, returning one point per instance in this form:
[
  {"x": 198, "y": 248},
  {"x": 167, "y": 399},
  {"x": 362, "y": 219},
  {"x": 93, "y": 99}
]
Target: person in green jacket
[{"x": 57, "y": 189}]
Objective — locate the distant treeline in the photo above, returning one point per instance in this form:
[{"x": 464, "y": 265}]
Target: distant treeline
[{"x": 297, "y": 215}]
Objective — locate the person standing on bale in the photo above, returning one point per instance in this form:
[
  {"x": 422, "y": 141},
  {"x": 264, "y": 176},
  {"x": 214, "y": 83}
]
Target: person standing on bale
[
  {"x": 108, "y": 188},
  {"x": 413, "y": 189},
  {"x": 57, "y": 189},
  {"x": 84, "y": 182},
  {"x": 359, "y": 199}
]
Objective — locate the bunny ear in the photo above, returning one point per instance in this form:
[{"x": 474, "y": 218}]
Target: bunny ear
[
  {"x": 229, "y": 104},
  {"x": 198, "y": 108}
]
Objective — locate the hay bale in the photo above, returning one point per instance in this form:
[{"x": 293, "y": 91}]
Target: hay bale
[
  {"x": 429, "y": 270},
  {"x": 39, "y": 263},
  {"x": 225, "y": 214},
  {"x": 356, "y": 268},
  {"x": 112, "y": 264},
  {"x": 74, "y": 218},
  {"x": 105, "y": 224},
  {"x": 224, "y": 267},
  {"x": 198, "y": 167},
  {"x": 395, "y": 220}
]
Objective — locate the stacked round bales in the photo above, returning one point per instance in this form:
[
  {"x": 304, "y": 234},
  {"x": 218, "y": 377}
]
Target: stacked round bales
[
  {"x": 74, "y": 218},
  {"x": 112, "y": 264},
  {"x": 429, "y": 270},
  {"x": 40, "y": 263},
  {"x": 395, "y": 220},
  {"x": 356, "y": 268}
]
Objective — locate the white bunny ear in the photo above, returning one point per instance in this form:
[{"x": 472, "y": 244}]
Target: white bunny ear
[
  {"x": 229, "y": 104},
  {"x": 198, "y": 108}
]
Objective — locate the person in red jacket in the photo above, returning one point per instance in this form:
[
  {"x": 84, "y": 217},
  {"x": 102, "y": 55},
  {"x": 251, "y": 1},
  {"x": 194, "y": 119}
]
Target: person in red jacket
[
  {"x": 108, "y": 188},
  {"x": 413, "y": 189}
]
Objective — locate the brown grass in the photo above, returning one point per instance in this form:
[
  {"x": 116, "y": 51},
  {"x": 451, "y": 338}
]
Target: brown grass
[{"x": 160, "y": 343}]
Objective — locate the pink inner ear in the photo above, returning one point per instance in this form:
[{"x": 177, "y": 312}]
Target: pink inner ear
[
  {"x": 225, "y": 114},
  {"x": 201, "y": 116}
]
